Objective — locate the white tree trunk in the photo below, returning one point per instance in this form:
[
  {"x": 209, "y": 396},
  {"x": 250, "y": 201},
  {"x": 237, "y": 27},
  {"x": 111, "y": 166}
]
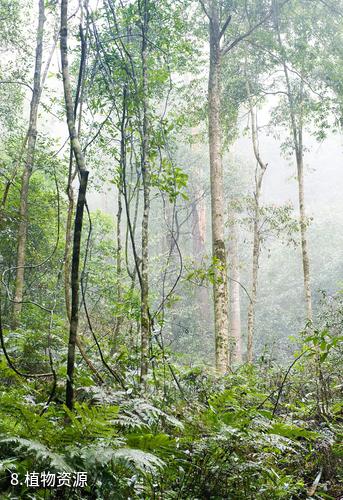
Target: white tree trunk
[
  {"x": 235, "y": 299},
  {"x": 220, "y": 290}
]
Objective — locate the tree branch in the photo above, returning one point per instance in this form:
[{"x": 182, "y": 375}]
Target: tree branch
[
  {"x": 204, "y": 9},
  {"x": 16, "y": 83},
  {"x": 224, "y": 28},
  {"x": 230, "y": 46}
]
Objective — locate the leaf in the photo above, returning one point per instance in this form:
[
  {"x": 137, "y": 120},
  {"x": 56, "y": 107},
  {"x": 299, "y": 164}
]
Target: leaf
[
  {"x": 292, "y": 431},
  {"x": 40, "y": 451},
  {"x": 142, "y": 460}
]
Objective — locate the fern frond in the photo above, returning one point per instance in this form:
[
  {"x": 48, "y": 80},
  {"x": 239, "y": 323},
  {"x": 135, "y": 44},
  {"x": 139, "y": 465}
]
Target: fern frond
[
  {"x": 137, "y": 460},
  {"x": 141, "y": 460},
  {"x": 40, "y": 451}
]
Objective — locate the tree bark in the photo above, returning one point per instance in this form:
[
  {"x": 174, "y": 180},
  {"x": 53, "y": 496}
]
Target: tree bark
[
  {"x": 81, "y": 165},
  {"x": 303, "y": 233},
  {"x": 220, "y": 290},
  {"x": 119, "y": 318},
  {"x": 10, "y": 181},
  {"x": 296, "y": 127},
  {"x": 145, "y": 317},
  {"x": 255, "y": 266},
  {"x": 28, "y": 166},
  {"x": 68, "y": 238},
  {"x": 235, "y": 299},
  {"x": 299, "y": 156},
  {"x": 259, "y": 174}
]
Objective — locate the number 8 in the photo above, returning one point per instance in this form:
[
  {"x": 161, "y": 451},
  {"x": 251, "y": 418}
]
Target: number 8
[{"x": 14, "y": 479}]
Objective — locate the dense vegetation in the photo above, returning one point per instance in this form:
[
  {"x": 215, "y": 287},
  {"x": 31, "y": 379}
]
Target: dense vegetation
[{"x": 142, "y": 166}]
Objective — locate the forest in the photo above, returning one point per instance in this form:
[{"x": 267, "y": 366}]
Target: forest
[{"x": 171, "y": 249}]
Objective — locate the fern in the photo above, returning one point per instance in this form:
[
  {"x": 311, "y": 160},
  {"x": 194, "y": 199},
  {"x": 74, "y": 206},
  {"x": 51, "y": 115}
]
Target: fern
[
  {"x": 40, "y": 452},
  {"x": 140, "y": 460},
  {"x": 101, "y": 455},
  {"x": 139, "y": 414}
]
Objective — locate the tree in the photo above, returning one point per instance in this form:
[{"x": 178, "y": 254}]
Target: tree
[
  {"x": 219, "y": 21},
  {"x": 259, "y": 174},
  {"x": 295, "y": 97},
  {"x": 30, "y": 140},
  {"x": 235, "y": 289},
  {"x": 220, "y": 290},
  {"x": 145, "y": 315},
  {"x": 83, "y": 179}
]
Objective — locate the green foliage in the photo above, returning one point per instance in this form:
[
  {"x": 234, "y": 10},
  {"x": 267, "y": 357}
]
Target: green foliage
[
  {"x": 171, "y": 180},
  {"x": 322, "y": 342},
  {"x": 206, "y": 274},
  {"x": 221, "y": 438},
  {"x": 275, "y": 221},
  {"x": 261, "y": 432}
]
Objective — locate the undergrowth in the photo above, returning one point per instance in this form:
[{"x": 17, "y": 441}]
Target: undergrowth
[{"x": 261, "y": 432}]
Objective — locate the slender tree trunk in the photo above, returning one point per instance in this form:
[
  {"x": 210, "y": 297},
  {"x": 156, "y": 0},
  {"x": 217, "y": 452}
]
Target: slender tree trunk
[
  {"x": 80, "y": 162},
  {"x": 259, "y": 174},
  {"x": 119, "y": 243},
  {"x": 68, "y": 237},
  {"x": 303, "y": 228},
  {"x": 145, "y": 318},
  {"x": 67, "y": 272},
  {"x": 171, "y": 237},
  {"x": 235, "y": 299},
  {"x": 216, "y": 33},
  {"x": 255, "y": 265},
  {"x": 131, "y": 231},
  {"x": 67, "y": 257},
  {"x": 4, "y": 197},
  {"x": 296, "y": 126},
  {"x": 220, "y": 290},
  {"x": 119, "y": 318},
  {"x": 28, "y": 166},
  {"x": 123, "y": 133},
  {"x": 10, "y": 181}
]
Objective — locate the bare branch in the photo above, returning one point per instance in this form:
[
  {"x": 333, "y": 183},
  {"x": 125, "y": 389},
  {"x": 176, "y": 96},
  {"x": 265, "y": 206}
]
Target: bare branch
[
  {"x": 233, "y": 44},
  {"x": 16, "y": 83},
  {"x": 205, "y": 9},
  {"x": 225, "y": 25},
  {"x": 332, "y": 8},
  {"x": 292, "y": 70}
]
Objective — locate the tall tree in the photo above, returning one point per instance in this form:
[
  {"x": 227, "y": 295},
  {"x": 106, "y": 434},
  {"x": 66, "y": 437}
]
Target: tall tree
[
  {"x": 259, "y": 174},
  {"x": 144, "y": 62},
  {"x": 145, "y": 315},
  {"x": 31, "y": 138},
  {"x": 295, "y": 99},
  {"x": 220, "y": 290},
  {"x": 83, "y": 178},
  {"x": 219, "y": 16},
  {"x": 235, "y": 300}
]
